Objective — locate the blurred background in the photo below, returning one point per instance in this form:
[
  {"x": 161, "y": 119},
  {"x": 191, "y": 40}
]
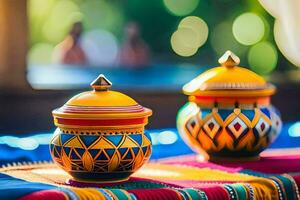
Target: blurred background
[{"x": 51, "y": 50}]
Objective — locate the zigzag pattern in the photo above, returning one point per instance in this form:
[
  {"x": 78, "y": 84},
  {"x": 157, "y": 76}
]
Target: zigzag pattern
[{"x": 100, "y": 153}]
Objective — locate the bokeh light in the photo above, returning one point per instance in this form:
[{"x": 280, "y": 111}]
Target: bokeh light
[
  {"x": 181, "y": 7},
  {"x": 294, "y": 130},
  {"x": 9, "y": 140},
  {"x": 221, "y": 39},
  {"x": 101, "y": 47},
  {"x": 55, "y": 28},
  {"x": 183, "y": 42},
  {"x": 101, "y": 14},
  {"x": 27, "y": 143},
  {"x": 40, "y": 8},
  {"x": 248, "y": 28},
  {"x": 40, "y": 53},
  {"x": 191, "y": 34},
  {"x": 60, "y": 20},
  {"x": 198, "y": 26},
  {"x": 167, "y": 137},
  {"x": 51, "y": 20},
  {"x": 263, "y": 57}
]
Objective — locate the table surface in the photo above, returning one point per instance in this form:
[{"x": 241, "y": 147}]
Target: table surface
[
  {"x": 174, "y": 172},
  {"x": 275, "y": 176}
]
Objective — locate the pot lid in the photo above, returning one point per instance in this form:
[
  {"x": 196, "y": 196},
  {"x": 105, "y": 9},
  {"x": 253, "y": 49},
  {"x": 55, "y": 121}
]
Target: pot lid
[
  {"x": 218, "y": 81},
  {"x": 101, "y": 103}
]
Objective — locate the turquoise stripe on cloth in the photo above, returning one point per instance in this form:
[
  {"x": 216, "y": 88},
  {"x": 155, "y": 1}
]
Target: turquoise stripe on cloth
[{"x": 287, "y": 186}]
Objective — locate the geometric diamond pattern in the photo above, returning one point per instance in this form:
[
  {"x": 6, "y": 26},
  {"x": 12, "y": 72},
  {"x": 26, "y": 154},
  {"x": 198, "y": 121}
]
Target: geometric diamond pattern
[
  {"x": 275, "y": 118},
  {"x": 237, "y": 127},
  {"x": 262, "y": 127},
  {"x": 193, "y": 126},
  {"x": 211, "y": 128},
  {"x": 232, "y": 130},
  {"x": 100, "y": 153}
]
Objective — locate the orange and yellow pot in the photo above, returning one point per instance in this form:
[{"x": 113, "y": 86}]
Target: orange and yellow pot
[
  {"x": 100, "y": 135},
  {"x": 229, "y": 115}
]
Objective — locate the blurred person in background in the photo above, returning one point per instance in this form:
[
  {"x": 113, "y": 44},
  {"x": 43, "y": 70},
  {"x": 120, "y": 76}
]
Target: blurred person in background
[
  {"x": 134, "y": 51},
  {"x": 69, "y": 50}
]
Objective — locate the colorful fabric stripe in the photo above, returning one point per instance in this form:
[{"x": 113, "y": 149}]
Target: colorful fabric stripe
[{"x": 185, "y": 178}]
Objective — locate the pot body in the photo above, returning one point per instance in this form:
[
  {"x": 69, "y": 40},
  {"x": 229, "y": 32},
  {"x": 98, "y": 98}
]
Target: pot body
[
  {"x": 229, "y": 130},
  {"x": 100, "y": 155}
]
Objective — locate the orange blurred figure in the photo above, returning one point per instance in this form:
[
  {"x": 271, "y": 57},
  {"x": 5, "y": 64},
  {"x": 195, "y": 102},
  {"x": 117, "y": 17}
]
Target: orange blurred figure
[
  {"x": 69, "y": 50},
  {"x": 134, "y": 51}
]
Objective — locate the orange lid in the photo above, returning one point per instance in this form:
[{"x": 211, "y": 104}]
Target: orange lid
[
  {"x": 220, "y": 80},
  {"x": 112, "y": 108}
]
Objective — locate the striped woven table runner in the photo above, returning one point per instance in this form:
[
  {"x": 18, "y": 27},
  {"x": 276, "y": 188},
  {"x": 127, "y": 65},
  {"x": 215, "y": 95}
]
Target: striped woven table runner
[{"x": 275, "y": 176}]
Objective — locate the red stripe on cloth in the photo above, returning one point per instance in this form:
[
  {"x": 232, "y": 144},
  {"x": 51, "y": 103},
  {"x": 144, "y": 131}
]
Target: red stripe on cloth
[
  {"x": 194, "y": 184},
  {"x": 278, "y": 164},
  {"x": 207, "y": 165},
  {"x": 297, "y": 180},
  {"x": 102, "y": 122},
  {"x": 156, "y": 194},
  {"x": 45, "y": 194},
  {"x": 266, "y": 164},
  {"x": 216, "y": 193}
]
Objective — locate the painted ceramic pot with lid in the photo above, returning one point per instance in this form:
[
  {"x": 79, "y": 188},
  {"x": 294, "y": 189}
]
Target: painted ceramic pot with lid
[
  {"x": 100, "y": 135},
  {"x": 229, "y": 115}
]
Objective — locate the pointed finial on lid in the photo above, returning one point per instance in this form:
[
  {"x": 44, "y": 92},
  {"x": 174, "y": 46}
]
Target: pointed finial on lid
[
  {"x": 101, "y": 83},
  {"x": 229, "y": 59}
]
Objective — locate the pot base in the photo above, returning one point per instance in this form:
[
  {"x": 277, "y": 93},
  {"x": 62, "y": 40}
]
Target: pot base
[
  {"x": 82, "y": 179},
  {"x": 233, "y": 159},
  {"x": 92, "y": 183}
]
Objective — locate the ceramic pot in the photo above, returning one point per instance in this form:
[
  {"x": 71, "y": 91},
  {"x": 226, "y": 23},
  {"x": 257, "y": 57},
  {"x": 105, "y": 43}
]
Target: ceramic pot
[
  {"x": 100, "y": 135},
  {"x": 229, "y": 115}
]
